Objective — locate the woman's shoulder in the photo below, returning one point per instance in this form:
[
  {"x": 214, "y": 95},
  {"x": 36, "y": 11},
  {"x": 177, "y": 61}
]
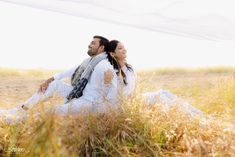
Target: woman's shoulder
[{"x": 128, "y": 70}]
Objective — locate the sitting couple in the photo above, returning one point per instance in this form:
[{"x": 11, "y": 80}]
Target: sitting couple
[{"x": 100, "y": 81}]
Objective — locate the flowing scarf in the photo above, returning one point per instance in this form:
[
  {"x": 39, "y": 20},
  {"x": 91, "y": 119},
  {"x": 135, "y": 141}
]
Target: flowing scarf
[{"x": 82, "y": 74}]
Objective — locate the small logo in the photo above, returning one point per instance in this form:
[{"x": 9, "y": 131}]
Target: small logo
[{"x": 15, "y": 149}]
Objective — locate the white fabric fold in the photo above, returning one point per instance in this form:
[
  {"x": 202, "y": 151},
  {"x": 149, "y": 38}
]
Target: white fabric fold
[{"x": 201, "y": 19}]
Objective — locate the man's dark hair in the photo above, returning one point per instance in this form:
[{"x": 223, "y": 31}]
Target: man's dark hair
[{"x": 103, "y": 41}]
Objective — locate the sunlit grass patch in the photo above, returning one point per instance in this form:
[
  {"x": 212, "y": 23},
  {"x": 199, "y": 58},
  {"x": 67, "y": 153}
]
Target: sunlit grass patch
[{"x": 136, "y": 129}]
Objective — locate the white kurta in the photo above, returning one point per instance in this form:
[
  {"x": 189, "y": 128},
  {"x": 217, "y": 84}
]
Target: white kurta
[
  {"x": 131, "y": 78},
  {"x": 125, "y": 91},
  {"x": 163, "y": 98},
  {"x": 95, "y": 95}
]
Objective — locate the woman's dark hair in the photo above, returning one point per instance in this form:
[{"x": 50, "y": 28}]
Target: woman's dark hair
[{"x": 111, "y": 48}]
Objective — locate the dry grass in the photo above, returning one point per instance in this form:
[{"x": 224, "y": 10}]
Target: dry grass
[{"x": 137, "y": 129}]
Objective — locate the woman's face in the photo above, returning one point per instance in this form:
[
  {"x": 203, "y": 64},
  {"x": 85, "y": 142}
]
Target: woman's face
[{"x": 120, "y": 52}]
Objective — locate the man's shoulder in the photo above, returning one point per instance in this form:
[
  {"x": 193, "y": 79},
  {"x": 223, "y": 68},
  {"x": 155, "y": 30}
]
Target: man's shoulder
[{"x": 103, "y": 65}]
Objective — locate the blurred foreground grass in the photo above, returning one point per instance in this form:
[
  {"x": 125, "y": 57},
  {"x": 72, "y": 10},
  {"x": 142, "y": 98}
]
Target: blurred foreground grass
[{"x": 137, "y": 129}]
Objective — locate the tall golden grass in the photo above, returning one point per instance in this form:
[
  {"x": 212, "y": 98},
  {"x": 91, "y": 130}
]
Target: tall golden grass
[{"x": 137, "y": 129}]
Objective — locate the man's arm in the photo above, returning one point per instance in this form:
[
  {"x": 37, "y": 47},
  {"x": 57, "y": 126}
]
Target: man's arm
[{"x": 67, "y": 74}]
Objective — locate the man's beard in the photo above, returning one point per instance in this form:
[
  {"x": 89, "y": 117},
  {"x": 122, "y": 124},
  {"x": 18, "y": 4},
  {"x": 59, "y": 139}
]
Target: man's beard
[
  {"x": 89, "y": 52},
  {"x": 92, "y": 53}
]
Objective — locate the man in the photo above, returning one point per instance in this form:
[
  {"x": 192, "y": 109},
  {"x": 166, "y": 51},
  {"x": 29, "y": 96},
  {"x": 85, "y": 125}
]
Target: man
[{"x": 100, "y": 87}]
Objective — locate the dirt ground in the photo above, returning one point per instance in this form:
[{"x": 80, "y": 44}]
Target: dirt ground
[{"x": 14, "y": 90}]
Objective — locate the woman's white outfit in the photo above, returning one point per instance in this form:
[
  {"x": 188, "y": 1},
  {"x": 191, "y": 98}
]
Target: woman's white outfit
[{"x": 163, "y": 98}]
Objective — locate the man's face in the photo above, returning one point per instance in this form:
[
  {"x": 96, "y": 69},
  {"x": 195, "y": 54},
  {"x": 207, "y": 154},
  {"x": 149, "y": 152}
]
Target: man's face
[{"x": 94, "y": 47}]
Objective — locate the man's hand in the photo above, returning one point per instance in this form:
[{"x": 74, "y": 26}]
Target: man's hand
[{"x": 43, "y": 87}]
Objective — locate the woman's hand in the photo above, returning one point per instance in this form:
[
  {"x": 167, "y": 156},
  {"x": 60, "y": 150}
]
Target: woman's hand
[
  {"x": 43, "y": 87},
  {"x": 108, "y": 77}
]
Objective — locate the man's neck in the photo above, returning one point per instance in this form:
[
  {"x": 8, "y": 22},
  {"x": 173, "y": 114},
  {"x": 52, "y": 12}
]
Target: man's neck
[{"x": 96, "y": 54}]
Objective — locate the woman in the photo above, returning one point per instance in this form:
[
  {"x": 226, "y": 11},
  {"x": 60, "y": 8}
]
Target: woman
[
  {"x": 127, "y": 82},
  {"x": 125, "y": 73}
]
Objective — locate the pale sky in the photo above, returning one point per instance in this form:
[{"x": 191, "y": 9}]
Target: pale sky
[{"x": 34, "y": 38}]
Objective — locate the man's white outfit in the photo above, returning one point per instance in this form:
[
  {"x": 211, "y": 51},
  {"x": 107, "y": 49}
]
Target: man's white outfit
[{"x": 97, "y": 95}]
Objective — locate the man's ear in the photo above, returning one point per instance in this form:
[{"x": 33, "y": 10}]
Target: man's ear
[{"x": 101, "y": 48}]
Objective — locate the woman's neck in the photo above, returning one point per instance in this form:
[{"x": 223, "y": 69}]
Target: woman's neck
[{"x": 122, "y": 63}]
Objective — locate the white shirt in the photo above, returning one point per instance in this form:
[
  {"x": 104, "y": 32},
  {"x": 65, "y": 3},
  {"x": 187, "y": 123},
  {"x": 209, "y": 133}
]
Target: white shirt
[
  {"x": 131, "y": 81},
  {"x": 96, "y": 91},
  {"x": 128, "y": 89}
]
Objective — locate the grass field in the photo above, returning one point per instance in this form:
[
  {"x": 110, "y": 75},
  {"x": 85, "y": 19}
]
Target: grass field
[{"x": 138, "y": 130}]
